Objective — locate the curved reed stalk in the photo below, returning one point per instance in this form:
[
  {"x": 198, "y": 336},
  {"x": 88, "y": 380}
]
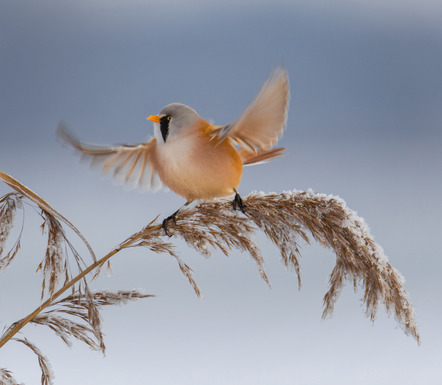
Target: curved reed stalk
[
  {"x": 74, "y": 316},
  {"x": 286, "y": 219}
]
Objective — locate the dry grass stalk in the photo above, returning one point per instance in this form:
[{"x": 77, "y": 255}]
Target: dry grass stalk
[
  {"x": 6, "y": 378},
  {"x": 46, "y": 207},
  {"x": 75, "y": 316},
  {"x": 285, "y": 218},
  {"x": 102, "y": 298},
  {"x": 203, "y": 228},
  {"x": 151, "y": 237},
  {"x": 47, "y": 378},
  {"x": 55, "y": 265},
  {"x": 289, "y": 217},
  {"x": 8, "y": 207},
  {"x": 358, "y": 257},
  {"x": 70, "y": 317}
]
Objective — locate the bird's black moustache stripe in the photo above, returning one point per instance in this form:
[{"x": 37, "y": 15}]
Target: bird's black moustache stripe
[{"x": 164, "y": 127}]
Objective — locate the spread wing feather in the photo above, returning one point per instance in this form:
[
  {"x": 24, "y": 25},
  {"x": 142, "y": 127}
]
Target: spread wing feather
[
  {"x": 261, "y": 124},
  {"x": 128, "y": 164},
  {"x": 249, "y": 158}
]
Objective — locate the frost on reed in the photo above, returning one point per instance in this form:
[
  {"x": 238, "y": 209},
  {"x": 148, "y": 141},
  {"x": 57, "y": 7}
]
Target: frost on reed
[{"x": 286, "y": 219}]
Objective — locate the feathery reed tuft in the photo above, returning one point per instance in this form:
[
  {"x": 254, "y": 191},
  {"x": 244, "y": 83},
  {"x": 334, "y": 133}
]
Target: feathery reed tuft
[
  {"x": 286, "y": 219},
  {"x": 75, "y": 316},
  {"x": 358, "y": 257},
  {"x": 6, "y": 378},
  {"x": 23, "y": 191},
  {"x": 8, "y": 206},
  {"x": 47, "y": 378},
  {"x": 70, "y": 316},
  {"x": 208, "y": 226},
  {"x": 55, "y": 264},
  {"x": 291, "y": 216},
  {"x": 151, "y": 238}
]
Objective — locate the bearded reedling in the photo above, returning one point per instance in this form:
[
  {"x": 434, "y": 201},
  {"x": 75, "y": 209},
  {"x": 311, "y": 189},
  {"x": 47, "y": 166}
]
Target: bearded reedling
[{"x": 193, "y": 157}]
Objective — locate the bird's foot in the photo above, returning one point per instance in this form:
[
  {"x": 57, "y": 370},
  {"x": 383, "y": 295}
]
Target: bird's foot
[
  {"x": 166, "y": 222},
  {"x": 238, "y": 202},
  {"x": 173, "y": 218}
]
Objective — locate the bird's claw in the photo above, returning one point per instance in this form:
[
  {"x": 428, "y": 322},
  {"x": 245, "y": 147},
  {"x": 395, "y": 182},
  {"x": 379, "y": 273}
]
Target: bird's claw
[
  {"x": 238, "y": 202},
  {"x": 166, "y": 221}
]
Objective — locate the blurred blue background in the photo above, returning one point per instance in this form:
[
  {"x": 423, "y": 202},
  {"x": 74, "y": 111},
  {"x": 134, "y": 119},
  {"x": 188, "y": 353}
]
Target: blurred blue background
[{"x": 364, "y": 123}]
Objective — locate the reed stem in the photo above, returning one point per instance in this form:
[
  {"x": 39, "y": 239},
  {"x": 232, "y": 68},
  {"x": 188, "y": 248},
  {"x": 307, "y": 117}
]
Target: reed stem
[{"x": 72, "y": 282}]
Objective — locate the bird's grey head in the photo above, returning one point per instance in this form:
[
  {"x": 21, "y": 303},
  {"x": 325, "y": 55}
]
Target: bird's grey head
[{"x": 175, "y": 118}]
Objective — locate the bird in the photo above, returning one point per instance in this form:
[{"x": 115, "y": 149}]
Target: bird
[{"x": 192, "y": 157}]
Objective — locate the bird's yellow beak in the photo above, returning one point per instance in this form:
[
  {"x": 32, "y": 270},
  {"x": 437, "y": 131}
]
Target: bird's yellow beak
[{"x": 154, "y": 118}]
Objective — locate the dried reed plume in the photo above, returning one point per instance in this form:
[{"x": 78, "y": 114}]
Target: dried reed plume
[
  {"x": 74, "y": 316},
  {"x": 286, "y": 219},
  {"x": 6, "y": 378}
]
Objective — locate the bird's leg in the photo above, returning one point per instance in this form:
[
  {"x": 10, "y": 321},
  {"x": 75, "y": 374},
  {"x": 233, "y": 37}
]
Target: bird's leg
[
  {"x": 173, "y": 217},
  {"x": 166, "y": 221},
  {"x": 237, "y": 201}
]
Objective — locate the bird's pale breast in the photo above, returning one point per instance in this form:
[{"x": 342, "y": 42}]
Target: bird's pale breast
[{"x": 196, "y": 168}]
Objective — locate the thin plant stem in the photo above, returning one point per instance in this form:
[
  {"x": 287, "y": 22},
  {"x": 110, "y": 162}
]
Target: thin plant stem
[
  {"x": 19, "y": 187},
  {"x": 72, "y": 282}
]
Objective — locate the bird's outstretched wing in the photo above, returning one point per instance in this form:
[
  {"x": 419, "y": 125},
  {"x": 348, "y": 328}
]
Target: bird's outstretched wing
[
  {"x": 128, "y": 164},
  {"x": 261, "y": 124}
]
